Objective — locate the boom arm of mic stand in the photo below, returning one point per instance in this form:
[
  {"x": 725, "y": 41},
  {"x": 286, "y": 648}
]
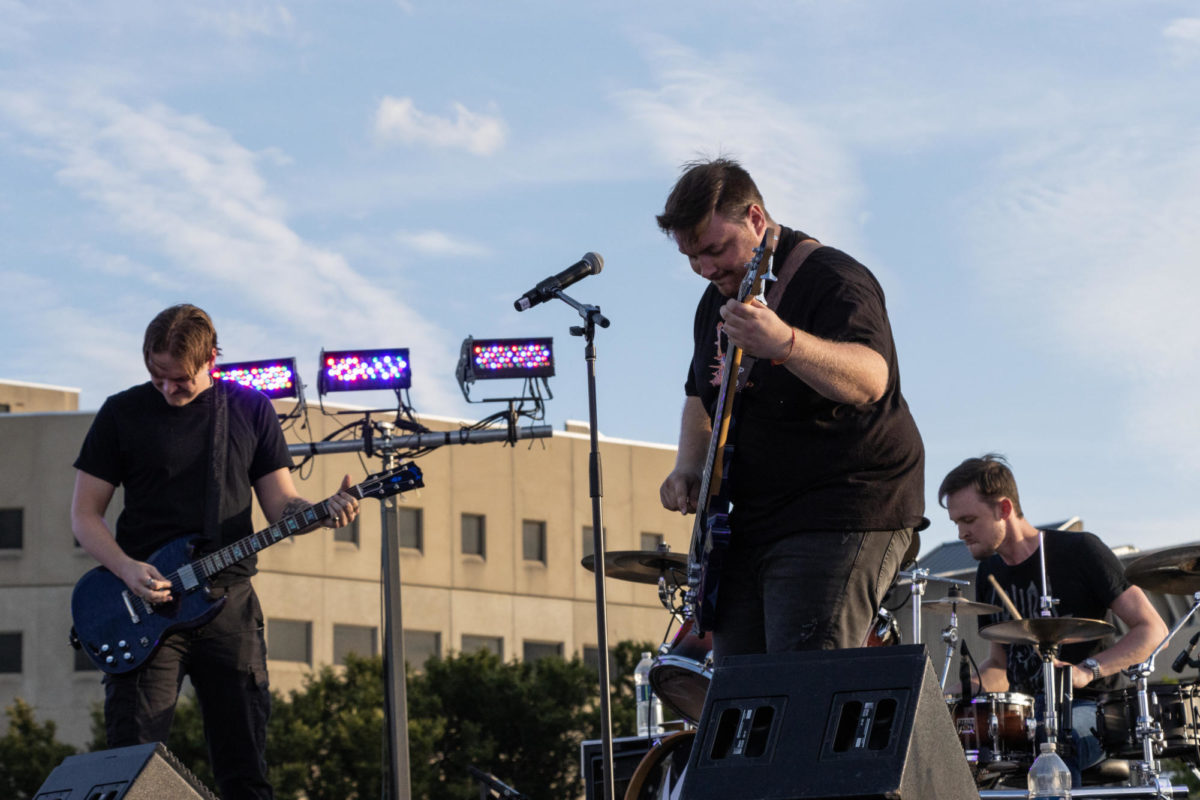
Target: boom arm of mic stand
[{"x": 427, "y": 439}]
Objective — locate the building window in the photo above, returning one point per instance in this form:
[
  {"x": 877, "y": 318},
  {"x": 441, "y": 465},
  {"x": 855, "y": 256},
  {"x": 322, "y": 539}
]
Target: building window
[
  {"x": 474, "y": 535},
  {"x": 651, "y": 541},
  {"x": 536, "y": 651},
  {"x": 289, "y": 640},
  {"x": 5, "y": 408},
  {"x": 347, "y": 533},
  {"x": 362, "y": 640},
  {"x": 533, "y": 540},
  {"x": 493, "y": 644},
  {"x": 589, "y": 546},
  {"x": 12, "y": 528},
  {"x": 83, "y": 663},
  {"x": 420, "y": 646},
  {"x": 10, "y": 652},
  {"x": 410, "y": 525}
]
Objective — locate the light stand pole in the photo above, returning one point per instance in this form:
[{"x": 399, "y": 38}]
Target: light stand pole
[{"x": 389, "y": 447}]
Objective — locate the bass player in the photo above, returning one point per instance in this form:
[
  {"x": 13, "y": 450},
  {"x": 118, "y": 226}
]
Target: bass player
[
  {"x": 161, "y": 440},
  {"x": 826, "y": 472}
]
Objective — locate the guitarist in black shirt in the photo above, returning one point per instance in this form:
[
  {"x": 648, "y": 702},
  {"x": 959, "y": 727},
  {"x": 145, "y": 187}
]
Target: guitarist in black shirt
[
  {"x": 189, "y": 454},
  {"x": 823, "y": 466}
]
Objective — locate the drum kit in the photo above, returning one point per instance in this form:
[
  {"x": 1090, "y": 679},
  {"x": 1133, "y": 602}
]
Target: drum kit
[{"x": 998, "y": 730}]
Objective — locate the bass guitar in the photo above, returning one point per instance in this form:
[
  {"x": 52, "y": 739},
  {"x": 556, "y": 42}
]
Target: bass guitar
[
  {"x": 710, "y": 532},
  {"x": 119, "y": 630}
]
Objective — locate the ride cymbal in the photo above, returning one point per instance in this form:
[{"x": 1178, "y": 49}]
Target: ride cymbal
[{"x": 1047, "y": 630}]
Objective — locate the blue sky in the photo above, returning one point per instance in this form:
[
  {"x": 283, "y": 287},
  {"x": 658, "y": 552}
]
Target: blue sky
[{"x": 1023, "y": 177}]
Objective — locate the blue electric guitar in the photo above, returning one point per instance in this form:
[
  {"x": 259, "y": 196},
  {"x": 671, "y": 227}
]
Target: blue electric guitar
[
  {"x": 710, "y": 533},
  {"x": 119, "y": 630}
]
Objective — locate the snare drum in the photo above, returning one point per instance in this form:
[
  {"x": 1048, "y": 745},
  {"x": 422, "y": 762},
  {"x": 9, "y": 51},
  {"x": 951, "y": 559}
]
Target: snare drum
[
  {"x": 680, "y": 676},
  {"x": 1174, "y": 706},
  {"x": 996, "y": 730}
]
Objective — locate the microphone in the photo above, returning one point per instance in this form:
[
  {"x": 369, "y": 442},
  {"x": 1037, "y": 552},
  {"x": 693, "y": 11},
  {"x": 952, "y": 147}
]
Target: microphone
[
  {"x": 590, "y": 264},
  {"x": 1184, "y": 658}
]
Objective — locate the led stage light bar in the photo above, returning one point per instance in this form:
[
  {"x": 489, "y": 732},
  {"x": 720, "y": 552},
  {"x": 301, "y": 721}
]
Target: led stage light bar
[
  {"x": 274, "y": 377},
  {"x": 361, "y": 370}
]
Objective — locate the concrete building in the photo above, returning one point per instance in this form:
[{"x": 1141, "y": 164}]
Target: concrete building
[{"x": 490, "y": 554}]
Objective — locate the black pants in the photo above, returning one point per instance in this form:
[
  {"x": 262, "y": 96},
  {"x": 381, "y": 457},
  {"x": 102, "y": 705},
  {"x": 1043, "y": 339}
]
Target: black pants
[
  {"x": 817, "y": 590},
  {"x": 226, "y": 660}
]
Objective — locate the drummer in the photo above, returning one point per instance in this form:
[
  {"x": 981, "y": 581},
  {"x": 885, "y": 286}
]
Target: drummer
[{"x": 1085, "y": 578}]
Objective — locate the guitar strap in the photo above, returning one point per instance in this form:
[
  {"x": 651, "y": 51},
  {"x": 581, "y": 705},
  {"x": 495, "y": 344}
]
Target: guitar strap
[
  {"x": 791, "y": 265},
  {"x": 219, "y": 442}
]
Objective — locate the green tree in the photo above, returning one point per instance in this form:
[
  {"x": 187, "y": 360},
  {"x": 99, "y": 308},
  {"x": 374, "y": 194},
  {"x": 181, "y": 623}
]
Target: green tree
[{"x": 28, "y": 752}]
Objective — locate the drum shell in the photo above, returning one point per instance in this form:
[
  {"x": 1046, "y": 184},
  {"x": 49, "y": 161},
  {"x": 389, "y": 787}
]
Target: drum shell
[
  {"x": 1011, "y": 745},
  {"x": 1174, "y": 706},
  {"x": 680, "y": 676}
]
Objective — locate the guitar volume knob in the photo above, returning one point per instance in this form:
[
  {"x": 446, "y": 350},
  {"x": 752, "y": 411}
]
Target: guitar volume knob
[
  {"x": 124, "y": 645},
  {"x": 128, "y": 656},
  {"x": 104, "y": 648}
]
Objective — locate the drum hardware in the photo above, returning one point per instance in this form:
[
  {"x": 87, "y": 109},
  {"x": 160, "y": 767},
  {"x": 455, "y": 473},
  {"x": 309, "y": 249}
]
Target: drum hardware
[
  {"x": 954, "y": 604},
  {"x": 917, "y": 580}
]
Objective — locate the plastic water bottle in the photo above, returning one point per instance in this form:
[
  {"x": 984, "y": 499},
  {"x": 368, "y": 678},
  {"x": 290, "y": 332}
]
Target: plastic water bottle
[
  {"x": 1049, "y": 778},
  {"x": 649, "y": 707}
]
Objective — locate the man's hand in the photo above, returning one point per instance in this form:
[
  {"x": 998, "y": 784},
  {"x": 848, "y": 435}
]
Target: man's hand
[
  {"x": 343, "y": 506},
  {"x": 680, "y": 491},
  {"x": 757, "y": 329},
  {"x": 145, "y": 581}
]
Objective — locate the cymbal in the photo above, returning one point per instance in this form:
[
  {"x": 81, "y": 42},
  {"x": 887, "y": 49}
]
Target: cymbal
[
  {"x": 1172, "y": 571},
  {"x": 1047, "y": 630},
  {"x": 639, "y": 566},
  {"x": 961, "y": 606}
]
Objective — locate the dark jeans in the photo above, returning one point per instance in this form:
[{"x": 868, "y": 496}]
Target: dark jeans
[
  {"x": 226, "y": 660},
  {"x": 817, "y": 590}
]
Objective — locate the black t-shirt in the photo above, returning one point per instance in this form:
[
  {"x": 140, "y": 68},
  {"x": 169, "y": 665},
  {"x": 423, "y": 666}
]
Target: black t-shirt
[
  {"x": 802, "y": 461},
  {"x": 160, "y": 453},
  {"x": 1083, "y": 574}
]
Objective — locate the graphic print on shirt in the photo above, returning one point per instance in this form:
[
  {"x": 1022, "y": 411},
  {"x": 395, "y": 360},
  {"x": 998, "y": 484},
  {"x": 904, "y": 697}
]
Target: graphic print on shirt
[{"x": 718, "y": 365}]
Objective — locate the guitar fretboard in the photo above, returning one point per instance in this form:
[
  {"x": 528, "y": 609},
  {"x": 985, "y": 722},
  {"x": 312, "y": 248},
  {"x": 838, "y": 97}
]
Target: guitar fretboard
[{"x": 214, "y": 562}]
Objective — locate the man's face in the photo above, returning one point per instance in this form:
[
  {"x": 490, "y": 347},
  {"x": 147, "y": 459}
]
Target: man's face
[
  {"x": 980, "y": 523},
  {"x": 720, "y": 247},
  {"x": 178, "y": 384}
]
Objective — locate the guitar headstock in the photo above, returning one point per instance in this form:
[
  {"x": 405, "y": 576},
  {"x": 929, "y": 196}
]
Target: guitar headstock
[
  {"x": 385, "y": 484},
  {"x": 756, "y": 269}
]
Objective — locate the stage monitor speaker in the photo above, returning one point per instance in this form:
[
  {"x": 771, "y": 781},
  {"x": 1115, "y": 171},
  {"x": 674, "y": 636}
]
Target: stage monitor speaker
[
  {"x": 138, "y": 772},
  {"x": 864, "y": 723},
  {"x": 628, "y": 752}
]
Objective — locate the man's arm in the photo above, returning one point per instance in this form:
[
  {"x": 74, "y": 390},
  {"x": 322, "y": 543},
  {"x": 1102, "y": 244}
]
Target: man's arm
[
  {"x": 844, "y": 372},
  {"x": 993, "y": 671},
  {"x": 680, "y": 491},
  {"x": 278, "y": 497},
  {"x": 88, "y": 503},
  {"x": 1146, "y": 630}
]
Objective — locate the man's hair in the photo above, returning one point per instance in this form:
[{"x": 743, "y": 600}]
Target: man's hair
[
  {"x": 185, "y": 333},
  {"x": 989, "y": 475},
  {"x": 720, "y": 185}
]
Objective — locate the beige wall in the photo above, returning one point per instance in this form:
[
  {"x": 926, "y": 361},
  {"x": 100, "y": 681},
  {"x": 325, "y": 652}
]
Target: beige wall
[
  {"x": 325, "y": 582},
  {"x": 22, "y": 398}
]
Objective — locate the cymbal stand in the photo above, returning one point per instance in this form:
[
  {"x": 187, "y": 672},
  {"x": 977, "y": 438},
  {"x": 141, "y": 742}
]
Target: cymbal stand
[
  {"x": 950, "y": 635},
  {"x": 1149, "y": 731},
  {"x": 918, "y": 578}
]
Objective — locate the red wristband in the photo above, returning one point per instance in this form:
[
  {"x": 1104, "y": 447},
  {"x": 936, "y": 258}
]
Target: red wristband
[{"x": 777, "y": 361}]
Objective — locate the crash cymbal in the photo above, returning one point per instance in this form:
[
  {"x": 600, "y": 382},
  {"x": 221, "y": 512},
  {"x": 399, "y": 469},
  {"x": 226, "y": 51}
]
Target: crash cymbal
[
  {"x": 639, "y": 566},
  {"x": 1173, "y": 571},
  {"x": 1047, "y": 630},
  {"x": 959, "y": 605}
]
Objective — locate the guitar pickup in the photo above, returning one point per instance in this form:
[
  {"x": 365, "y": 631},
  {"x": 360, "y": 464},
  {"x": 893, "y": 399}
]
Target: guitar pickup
[{"x": 133, "y": 615}]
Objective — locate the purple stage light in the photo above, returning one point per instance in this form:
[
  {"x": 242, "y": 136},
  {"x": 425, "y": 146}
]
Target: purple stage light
[
  {"x": 274, "y": 377},
  {"x": 360, "y": 370},
  {"x": 487, "y": 359}
]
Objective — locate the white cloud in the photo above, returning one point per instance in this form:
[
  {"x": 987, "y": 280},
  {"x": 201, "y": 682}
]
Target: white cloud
[
  {"x": 245, "y": 19},
  {"x": 398, "y": 119},
  {"x": 1090, "y": 245},
  {"x": 192, "y": 197},
  {"x": 705, "y": 106},
  {"x": 439, "y": 243},
  {"x": 1183, "y": 38}
]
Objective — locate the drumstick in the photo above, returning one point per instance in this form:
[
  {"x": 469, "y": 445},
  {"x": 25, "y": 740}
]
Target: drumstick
[{"x": 1008, "y": 604}]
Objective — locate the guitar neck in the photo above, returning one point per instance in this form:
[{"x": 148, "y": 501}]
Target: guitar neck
[{"x": 208, "y": 565}]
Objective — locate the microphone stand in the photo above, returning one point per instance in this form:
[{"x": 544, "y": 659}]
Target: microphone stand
[{"x": 591, "y": 318}]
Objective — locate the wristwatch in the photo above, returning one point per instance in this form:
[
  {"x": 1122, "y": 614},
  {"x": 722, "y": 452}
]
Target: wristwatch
[{"x": 1094, "y": 666}]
